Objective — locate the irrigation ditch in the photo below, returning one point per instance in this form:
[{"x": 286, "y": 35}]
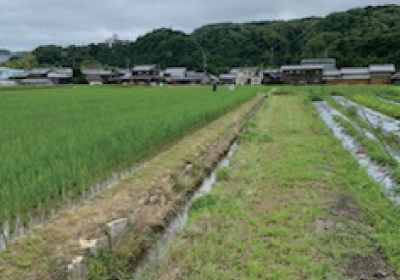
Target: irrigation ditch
[
  {"x": 377, "y": 171},
  {"x": 152, "y": 240}
]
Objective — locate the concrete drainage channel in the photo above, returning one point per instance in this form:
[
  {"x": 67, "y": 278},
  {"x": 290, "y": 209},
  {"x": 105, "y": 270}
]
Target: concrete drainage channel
[
  {"x": 154, "y": 255},
  {"x": 115, "y": 231},
  {"x": 376, "y": 172}
]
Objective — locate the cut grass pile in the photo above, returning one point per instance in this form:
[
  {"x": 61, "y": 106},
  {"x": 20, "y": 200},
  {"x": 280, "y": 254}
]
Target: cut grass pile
[
  {"x": 297, "y": 207},
  {"x": 54, "y": 143}
]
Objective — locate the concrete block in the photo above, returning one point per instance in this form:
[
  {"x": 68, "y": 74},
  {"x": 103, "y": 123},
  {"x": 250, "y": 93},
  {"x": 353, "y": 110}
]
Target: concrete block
[
  {"x": 116, "y": 229},
  {"x": 89, "y": 246},
  {"x": 76, "y": 270}
]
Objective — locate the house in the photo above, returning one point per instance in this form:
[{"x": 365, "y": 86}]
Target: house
[
  {"x": 94, "y": 79},
  {"x": 143, "y": 75},
  {"x": 331, "y": 75},
  {"x": 5, "y": 74},
  {"x": 60, "y": 75},
  {"x": 328, "y": 63},
  {"x": 381, "y": 74},
  {"x": 38, "y": 73},
  {"x": 354, "y": 76},
  {"x": 98, "y": 76},
  {"x": 303, "y": 74},
  {"x": 273, "y": 76},
  {"x": 175, "y": 72},
  {"x": 227, "y": 79},
  {"x": 36, "y": 81},
  {"x": 145, "y": 70},
  {"x": 395, "y": 79},
  {"x": 18, "y": 75},
  {"x": 249, "y": 76},
  {"x": 191, "y": 78}
]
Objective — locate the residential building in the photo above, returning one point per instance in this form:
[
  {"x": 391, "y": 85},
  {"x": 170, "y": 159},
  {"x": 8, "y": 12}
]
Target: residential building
[
  {"x": 175, "y": 72},
  {"x": 249, "y": 76},
  {"x": 98, "y": 76},
  {"x": 381, "y": 74},
  {"x": 36, "y": 81},
  {"x": 328, "y": 63},
  {"x": 37, "y": 73},
  {"x": 141, "y": 75},
  {"x": 331, "y": 75},
  {"x": 146, "y": 70},
  {"x": 303, "y": 74},
  {"x": 191, "y": 78},
  {"x": 273, "y": 76},
  {"x": 60, "y": 75},
  {"x": 227, "y": 79}
]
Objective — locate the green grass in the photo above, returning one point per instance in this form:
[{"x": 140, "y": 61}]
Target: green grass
[
  {"x": 60, "y": 140},
  {"x": 260, "y": 223}
]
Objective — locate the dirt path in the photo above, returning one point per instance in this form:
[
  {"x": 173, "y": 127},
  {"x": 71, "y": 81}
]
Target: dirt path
[{"x": 285, "y": 209}]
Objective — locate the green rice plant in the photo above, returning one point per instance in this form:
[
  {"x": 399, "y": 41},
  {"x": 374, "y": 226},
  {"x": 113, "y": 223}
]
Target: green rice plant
[{"x": 57, "y": 142}]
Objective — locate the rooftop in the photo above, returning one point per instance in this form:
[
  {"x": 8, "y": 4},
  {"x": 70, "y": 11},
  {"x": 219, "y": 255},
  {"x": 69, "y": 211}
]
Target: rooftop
[
  {"x": 227, "y": 76},
  {"x": 145, "y": 67},
  {"x": 355, "y": 71},
  {"x": 100, "y": 72},
  {"x": 382, "y": 68},
  {"x": 303, "y": 67},
  {"x": 318, "y": 61},
  {"x": 176, "y": 71},
  {"x": 39, "y": 71}
]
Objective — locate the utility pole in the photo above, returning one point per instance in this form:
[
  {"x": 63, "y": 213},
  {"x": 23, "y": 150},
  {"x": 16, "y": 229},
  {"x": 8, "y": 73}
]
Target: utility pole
[
  {"x": 204, "y": 60},
  {"x": 271, "y": 61}
]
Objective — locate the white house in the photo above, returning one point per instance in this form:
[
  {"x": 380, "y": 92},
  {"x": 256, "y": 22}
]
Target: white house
[{"x": 248, "y": 76}]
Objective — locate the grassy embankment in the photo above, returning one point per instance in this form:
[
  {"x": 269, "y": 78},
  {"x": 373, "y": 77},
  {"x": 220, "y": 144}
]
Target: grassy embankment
[{"x": 293, "y": 205}]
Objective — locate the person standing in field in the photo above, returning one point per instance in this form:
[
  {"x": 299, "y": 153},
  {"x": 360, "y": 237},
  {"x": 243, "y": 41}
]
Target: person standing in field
[
  {"x": 214, "y": 85},
  {"x": 232, "y": 87}
]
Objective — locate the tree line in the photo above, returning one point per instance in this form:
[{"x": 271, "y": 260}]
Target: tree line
[{"x": 357, "y": 37}]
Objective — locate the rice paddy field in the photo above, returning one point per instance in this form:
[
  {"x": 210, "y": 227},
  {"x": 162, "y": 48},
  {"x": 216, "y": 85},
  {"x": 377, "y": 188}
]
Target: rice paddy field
[{"x": 56, "y": 142}]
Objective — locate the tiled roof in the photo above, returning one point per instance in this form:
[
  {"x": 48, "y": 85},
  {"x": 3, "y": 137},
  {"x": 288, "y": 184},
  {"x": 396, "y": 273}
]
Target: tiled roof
[
  {"x": 355, "y": 71},
  {"x": 144, "y": 67},
  {"x": 39, "y": 71},
  {"x": 303, "y": 67},
  {"x": 390, "y": 68},
  {"x": 227, "y": 76},
  {"x": 100, "y": 72}
]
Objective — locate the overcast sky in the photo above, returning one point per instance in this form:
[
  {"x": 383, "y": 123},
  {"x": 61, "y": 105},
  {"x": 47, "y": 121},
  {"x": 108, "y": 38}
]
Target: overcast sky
[{"x": 25, "y": 24}]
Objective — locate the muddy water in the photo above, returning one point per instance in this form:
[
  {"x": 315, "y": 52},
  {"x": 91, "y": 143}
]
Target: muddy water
[
  {"x": 376, "y": 172},
  {"x": 161, "y": 248}
]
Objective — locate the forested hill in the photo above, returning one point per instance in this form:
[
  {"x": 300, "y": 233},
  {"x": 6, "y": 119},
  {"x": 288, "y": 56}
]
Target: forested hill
[{"x": 357, "y": 37}]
